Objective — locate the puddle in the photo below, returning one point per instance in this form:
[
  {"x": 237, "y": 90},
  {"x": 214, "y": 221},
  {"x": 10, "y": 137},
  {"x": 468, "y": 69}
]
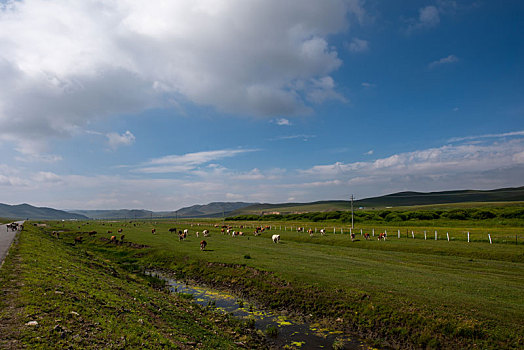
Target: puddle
[{"x": 290, "y": 333}]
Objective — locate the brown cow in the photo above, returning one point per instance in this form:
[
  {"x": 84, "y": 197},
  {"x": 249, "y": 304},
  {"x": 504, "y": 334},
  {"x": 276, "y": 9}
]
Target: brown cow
[
  {"x": 78, "y": 239},
  {"x": 203, "y": 245}
]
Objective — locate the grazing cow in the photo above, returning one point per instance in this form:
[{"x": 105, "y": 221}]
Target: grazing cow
[
  {"x": 122, "y": 238},
  {"x": 352, "y": 236},
  {"x": 197, "y": 233},
  {"x": 310, "y": 231},
  {"x": 366, "y": 236},
  {"x": 172, "y": 229},
  {"x": 153, "y": 231},
  {"x": 92, "y": 233},
  {"x": 322, "y": 232},
  {"x": 78, "y": 239},
  {"x": 300, "y": 229},
  {"x": 56, "y": 234},
  {"x": 203, "y": 245},
  {"x": 120, "y": 230},
  {"x": 275, "y": 238},
  {"x": 256, "y": 233},
  {"x": 112, "y": 239},
  {"x": 205, "y": 232},
  {"x": 181, "y": 236},
  {"x": 186, "y": 231}
]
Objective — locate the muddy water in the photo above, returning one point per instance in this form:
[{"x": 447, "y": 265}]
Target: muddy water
[{"x": 293, "y": 334}]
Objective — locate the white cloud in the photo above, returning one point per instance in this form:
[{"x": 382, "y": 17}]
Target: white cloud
[
  {"x": 487, "y": 136},
  {"x": 116, "y": 140},
  {"x": 188, "y": 161},
  {"x": 64, "y": 63},
  {"x": 446, "y": 160},
  {"x": 358, "y": 45},
  {"x": 370, "y": 152},
  {"x": 368, "y": 85},
  {"x": 428, "y": 17},
  {"x": 283, "y": 121},
  {"x": 444, "y": 60}
]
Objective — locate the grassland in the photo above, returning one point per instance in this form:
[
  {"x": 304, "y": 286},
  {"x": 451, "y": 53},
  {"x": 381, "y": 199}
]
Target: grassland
[
  {"x": 401, "y": 292},
  {"x": 58, "y": 295}
]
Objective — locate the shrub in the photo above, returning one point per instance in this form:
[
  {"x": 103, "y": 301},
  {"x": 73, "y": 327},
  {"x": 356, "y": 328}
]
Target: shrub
[{"x": 482, "y": 214}]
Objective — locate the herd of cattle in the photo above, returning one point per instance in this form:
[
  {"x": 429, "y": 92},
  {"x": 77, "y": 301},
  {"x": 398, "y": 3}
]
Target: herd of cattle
[{"x": 183, "y": 234}]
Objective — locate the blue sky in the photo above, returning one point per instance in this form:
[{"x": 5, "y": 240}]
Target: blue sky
[{"x": 126, "y": 104}]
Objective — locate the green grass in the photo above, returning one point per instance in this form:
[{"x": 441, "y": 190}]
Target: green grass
[
  {"x": 80, "y": 300},
  {"x": 413, "y": 291},
  {"x": 402, "y": 292}
]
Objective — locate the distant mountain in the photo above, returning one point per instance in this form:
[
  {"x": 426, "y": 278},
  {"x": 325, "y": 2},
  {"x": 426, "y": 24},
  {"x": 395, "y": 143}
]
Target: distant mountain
[
  {"x": 390, "y": 200},
  {"x": 216, "y": 209},
  {"x": 117, "y": 214},
  {"x": 211, "y": 210},
  {"x": 26, "y": 211}
]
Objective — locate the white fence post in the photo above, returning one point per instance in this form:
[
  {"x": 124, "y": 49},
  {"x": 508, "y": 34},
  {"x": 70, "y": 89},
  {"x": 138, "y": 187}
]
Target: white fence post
[
  {"x": 361, "y": 232},
  {"x": 447, "y": 234},
  {"x": 468, "y": 236},
  {"x": 373, "y": 232},
  {"x": 489, "y": 235},
  {"x": 398, "y": 233},
  {"x": 412, "y": 234},
  {"x": 334, "y": 230},
  {"x": 425, "y": 237},
  {"x": 435, "y": 235}
]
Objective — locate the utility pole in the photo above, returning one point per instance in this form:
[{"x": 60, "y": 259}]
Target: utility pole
[{"x": 352, "y": 226}]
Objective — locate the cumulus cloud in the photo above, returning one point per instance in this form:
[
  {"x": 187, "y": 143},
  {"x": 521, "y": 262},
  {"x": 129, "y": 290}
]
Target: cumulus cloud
[
  {"x": 116, "y": 140},
  {"x": 445, "y": 60},
  {"x": 446, "y": 160},
  {"x": 64, "y": 63}
]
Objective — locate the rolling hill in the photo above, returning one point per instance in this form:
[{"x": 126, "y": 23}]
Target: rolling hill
[
  {"x": 391, "y": 200},
  {"x": 26, "y": 211}
]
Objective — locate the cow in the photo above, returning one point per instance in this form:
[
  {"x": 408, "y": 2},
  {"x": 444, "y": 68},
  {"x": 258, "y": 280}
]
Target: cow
[
  {"x": 120, "y": 230},
  {"x": 203, "y": 245},
  {"x": 153, "y": 231},
  {"x": 122, "y": 238},
  {"x": 186, "y": 231},
  {"x": 366, "y": 236},
  {"x": 310, "y": 231},
  {"x": 92, "y": 233},
  {"x": 205, "y": 232},
  {"x": 109, "y": 231},
  {"x": 172, "y": 229},
  {"x": 78, "y": 239},
  {"x": 352, "y": 236},
  {"x": 275, "y": 238},
  {"x": 322, "y": 232}
]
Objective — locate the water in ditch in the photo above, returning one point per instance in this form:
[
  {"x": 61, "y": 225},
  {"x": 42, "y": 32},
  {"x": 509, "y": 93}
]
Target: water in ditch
[{"x": 290, "y": 333}]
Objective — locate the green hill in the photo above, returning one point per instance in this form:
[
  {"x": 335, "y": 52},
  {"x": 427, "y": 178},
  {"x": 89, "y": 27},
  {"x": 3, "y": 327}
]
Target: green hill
[
  {"x": 26, "y": 211},
  {"x": 400, "y": 199}
]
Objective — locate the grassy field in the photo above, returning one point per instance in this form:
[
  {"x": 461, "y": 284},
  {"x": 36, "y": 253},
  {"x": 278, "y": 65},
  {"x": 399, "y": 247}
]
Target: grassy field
[
  {"x": 400, "y": 292},
  {"x": 56, "y": 295}
]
